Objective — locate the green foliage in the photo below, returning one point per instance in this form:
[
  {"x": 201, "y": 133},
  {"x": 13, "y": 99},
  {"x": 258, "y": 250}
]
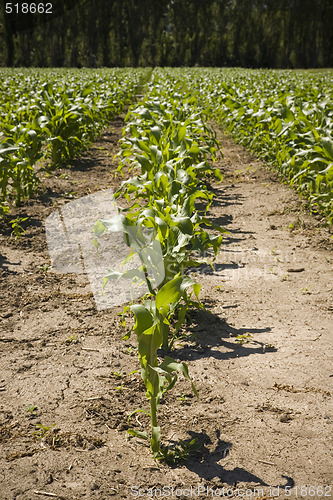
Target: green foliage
[
  {"x": 52, "y": 116},
  {"x": 173, "y": 455},
  {"x": 42, "y": 430},
  {"x": 17, "y": 229},
  {"x": 286, "y": 118},
  {"x": 168, "y": 142},
  {"x": 32, "y": 409}
]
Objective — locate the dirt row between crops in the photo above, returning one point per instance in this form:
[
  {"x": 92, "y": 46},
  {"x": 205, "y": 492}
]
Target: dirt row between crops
[{"x": 66, "y": 377}]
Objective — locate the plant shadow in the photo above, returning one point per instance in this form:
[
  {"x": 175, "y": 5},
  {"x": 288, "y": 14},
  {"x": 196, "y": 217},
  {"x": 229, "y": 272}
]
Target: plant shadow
[
  {"x": 205, "y": 462},
  {"x": 208, "y": 332},
  {"x": 4, "y": 262}
]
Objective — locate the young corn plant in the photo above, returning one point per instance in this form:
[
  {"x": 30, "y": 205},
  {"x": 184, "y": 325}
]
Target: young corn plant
[
  {"x": 153, "y": 323},
  {"x": 161, "y": 261},
  {"x": 170, "y": 145},
  {"x": 158, "y": 377}
]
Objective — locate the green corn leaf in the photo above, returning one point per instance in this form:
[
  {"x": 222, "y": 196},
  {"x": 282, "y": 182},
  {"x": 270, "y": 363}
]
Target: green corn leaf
[
  {"x": 327, "y": 145},
  {"x": 196, "y": 288},
  {"x": 99, "y": 229},
  {"x": 8, "y": 150},
  {"x": 144, "y": 162},
  {"x": 143, "y": 318},
  {"x": 86, "y": 91},
  {"x": 138, "y": 434},
  {"x": 156, "y": 133},
  {"x": 149, "y": 341},
  {"x": 195, "y": 150},
  {"x": 155, "y": 440},
  {"x": 184, "y": 224},
  {"x": 135, "y": 412},
  {"x": 218, "y": 174},
  {"x": 169, "y": 365},
  {"x": 143, "y": 146},
  {"x": 134, "y": 273},
  {"x": 181, "y": 134}
]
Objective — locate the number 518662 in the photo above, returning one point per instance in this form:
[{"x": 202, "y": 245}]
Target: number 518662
[{"x": 28, "y": 8}]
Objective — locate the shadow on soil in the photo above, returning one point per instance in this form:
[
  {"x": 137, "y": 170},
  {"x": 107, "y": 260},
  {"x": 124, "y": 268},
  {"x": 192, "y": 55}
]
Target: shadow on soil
[
  {"x": 208, "y": 333},
  {"x": 223, "y": 200},
  {"x": 109, "y": 140},
  {"x": 4, "y": 263},
  {"x": 205, "y": 463},
  {"x": 207, "y": 466}
]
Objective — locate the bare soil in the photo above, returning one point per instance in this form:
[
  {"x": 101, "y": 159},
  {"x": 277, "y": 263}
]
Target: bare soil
[{"x": 66, "y": 378}]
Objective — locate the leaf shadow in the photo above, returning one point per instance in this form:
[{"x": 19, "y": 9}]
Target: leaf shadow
[
  {"x": 4, "y": 262},
  {"x": 208, "y": 337},
  {"x": 206, "y": 462}
]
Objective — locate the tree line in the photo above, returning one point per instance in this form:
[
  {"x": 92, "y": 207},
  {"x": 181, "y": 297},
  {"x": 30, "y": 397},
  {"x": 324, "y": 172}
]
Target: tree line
[{"x": 95, "y": 33}]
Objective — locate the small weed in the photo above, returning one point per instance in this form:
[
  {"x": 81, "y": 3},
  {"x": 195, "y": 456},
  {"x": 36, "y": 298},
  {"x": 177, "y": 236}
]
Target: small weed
[
  {"x": 4, "y": 210},
  {"x": 69, "y": 194},
  {"x": 31, "y": 409},
  {"x": 17, "y": 229},
  {"x": 177, "y": 453},
  {"x": 118, "y": 374},
  {"x": 42, "y": 430},
  {"x": 243, "y": 339},
  {"x": 129, "y": 350},
  {"x": 182, "y": 398},
  {"x": 72, "y": 340},
  {"x": 44, "y": 268}
]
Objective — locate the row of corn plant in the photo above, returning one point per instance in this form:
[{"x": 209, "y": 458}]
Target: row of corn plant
[
  {"x": 169, "y": 146},
  {"x": 285, "y": 117},
  {"x": 54, "y": 115}
]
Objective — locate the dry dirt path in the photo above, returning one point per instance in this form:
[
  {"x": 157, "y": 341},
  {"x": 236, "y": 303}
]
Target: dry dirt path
[
  {"x": 274, "y": 281},
  {"x": 268, "y": 399}
]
